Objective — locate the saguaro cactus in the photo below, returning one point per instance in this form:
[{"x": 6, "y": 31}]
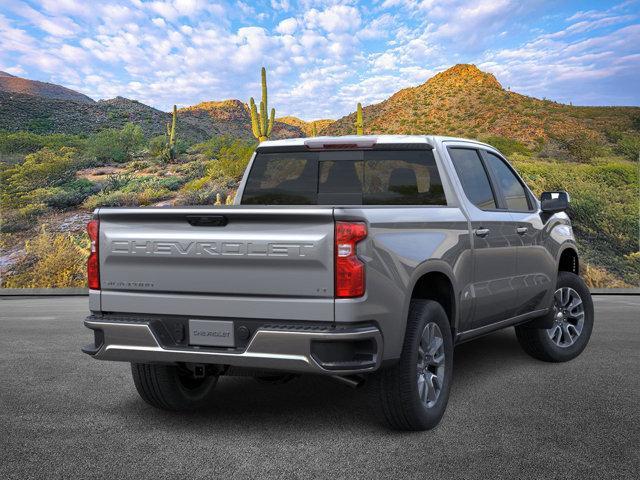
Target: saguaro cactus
[
  {"x": 171, "y": 135},
  {"x": 359, "y": 125},
  {"x": 314, "y": 130},
  {"x": 260, "y": 124}
]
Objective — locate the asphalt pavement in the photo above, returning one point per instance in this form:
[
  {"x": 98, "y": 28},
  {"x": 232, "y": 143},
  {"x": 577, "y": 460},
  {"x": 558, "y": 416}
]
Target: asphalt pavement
[{"x": 64, "y": 415}]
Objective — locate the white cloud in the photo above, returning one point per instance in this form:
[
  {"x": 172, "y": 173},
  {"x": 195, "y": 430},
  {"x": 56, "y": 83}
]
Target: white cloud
[
  {"x": 159, "y": 22},
  {"x": 15, "y": 70},
  {"x": 56, "y": 26},
  {"x": 335, "y": 19},
  {"x": 287, "y": 26},
  {"x": 280, "y": 5},
  {"x": 378, "y": 27}
]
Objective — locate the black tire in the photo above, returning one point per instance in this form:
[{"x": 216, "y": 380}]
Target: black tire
[
  {"x": 395, "y": 389},
  {"x": 171, "y": 387},
  {"x": 538, "y": 342}
]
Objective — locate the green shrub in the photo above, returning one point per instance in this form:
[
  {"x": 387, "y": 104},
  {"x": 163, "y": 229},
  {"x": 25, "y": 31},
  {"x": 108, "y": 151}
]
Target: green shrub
[
  {"x": 40, "y": 125},
  {"x": 44, "y": 169},
  {"x": 28, "y": 142},
  {"x": 24, "y": 218},
  {"x": 233, "y": 160},
  {"x": 212, "y": 147},
  {"x": 206, "y": 195},
  {"x": 116, "y": 145},
  {"x": 507, "y": 146},
  {"x": 126, "y": 199},
  {"x": 68, "y": 195},
  {"x": 629, "y": 146},
  {"x": 581, "y": 146},
  {"x": 157, "y": 145}
]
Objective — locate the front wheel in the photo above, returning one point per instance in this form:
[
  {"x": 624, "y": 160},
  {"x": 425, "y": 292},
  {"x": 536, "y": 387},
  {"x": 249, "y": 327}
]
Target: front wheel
[
  {"x": 413, "y": 394},
  {"x": 572, "y": 323},
  {"x": 172, "y": 387}
]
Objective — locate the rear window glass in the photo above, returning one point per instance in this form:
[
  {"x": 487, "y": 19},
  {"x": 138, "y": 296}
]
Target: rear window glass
[{"x": 345, "y": 178}]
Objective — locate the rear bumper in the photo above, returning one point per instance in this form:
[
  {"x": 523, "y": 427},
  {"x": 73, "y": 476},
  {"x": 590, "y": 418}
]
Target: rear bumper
[{"x": 286, "y": 348}]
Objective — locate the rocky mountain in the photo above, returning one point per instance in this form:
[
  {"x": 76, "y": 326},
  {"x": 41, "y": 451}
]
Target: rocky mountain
[
  {"x": 304, "y": 126},
  {"x": 464, "y": 101},
  {"x": 47, "y": 108},
  {"x": 16, "y": 85}
]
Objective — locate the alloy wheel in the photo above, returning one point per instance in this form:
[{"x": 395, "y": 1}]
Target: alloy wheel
[
  {"x": 568, "y": 317},
  {"x": 431, "y": 364}
]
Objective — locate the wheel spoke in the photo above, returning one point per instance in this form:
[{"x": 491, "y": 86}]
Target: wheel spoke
[
  {"x": 422, "y": 387},
  {"x": 568, "y": 339},
  {"x": 436, "y": 344},
  {"x": 438, "y": 359},
  {"x": 431, "y": 389}
]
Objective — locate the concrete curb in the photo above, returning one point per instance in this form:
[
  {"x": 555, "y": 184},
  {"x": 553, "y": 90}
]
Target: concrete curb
[
  {"x": 615, "y": 291},
  {"x": 31, "y": 292}
]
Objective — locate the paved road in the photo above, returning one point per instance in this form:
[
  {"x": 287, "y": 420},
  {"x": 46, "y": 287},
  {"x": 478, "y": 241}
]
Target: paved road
[{"x": 64, "y": 415}]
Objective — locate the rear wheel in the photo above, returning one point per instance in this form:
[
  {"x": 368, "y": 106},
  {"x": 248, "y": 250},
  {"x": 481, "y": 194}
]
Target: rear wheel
[
  {"x": 413, "y": 394},
  {"x": 172, "y": 387},
  {"x": 572, "y": 323}
]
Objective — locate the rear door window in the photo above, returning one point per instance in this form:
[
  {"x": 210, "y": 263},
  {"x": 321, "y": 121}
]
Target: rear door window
[
  {"x": 473, "y": 176},
  {"x": 385, "y": 177}
]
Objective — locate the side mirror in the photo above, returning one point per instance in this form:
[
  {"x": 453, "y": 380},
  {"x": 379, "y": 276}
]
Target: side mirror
[{"x": 552, "y": 202}]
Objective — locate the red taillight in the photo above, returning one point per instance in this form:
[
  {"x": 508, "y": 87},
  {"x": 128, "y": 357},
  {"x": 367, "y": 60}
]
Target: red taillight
[
  {"x": 93, "y": 265},
  {"x": 349, "y": 269}
]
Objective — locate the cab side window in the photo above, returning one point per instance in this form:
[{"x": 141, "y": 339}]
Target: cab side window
[
  {"x": 473, "y": 177},
  {"x": 513, "y": 191}
]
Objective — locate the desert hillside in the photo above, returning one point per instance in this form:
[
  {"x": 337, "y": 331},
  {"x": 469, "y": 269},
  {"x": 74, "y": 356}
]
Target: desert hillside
[
  {"x": 11, "y": 84},
  {"x": 464, "y": 101},
  {"x": 306, "y": 127},
  {"x": 231, "y": 117}
]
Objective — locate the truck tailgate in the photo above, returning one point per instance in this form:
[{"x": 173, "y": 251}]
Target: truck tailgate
[{"x": 235, "y": 261}]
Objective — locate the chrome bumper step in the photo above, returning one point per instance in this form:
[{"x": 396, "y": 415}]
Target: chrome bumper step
[{"x": 271, "y": 347}]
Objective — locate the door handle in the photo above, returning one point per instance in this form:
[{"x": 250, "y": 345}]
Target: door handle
[
  {"x": 522, "y": 230},
  {"x": 482, "y": 232}
]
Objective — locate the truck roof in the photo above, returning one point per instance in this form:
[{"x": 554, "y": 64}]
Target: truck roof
[{"x": 363, "y": 140}]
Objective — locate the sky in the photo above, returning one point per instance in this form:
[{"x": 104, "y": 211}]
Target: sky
[{"x": 322, "y": 57}]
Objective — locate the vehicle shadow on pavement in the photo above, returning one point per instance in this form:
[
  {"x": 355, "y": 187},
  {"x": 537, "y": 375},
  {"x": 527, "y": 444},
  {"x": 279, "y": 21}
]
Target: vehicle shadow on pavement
[{"x": 242, "y": 402}]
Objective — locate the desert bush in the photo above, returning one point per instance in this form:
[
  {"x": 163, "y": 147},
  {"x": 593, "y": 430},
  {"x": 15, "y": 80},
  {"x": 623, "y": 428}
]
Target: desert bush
[
  {"x": 68, "y": 195},
  {"x": 28, "y": 142},
  {"x": 204, "y": 196},
  {"x": 157, "y": 145},
  {"x": 599, "y": 278},
  {"x": 580, "y": 146},
  {"x": 507, "y": 146},
  {"x": 232, "y": 160},
  {"x": 51, "y": 261},
  {"x": 116, "y": 182},
  {"x": 43, "y": 169},
  {"x": 116, "y": 145},
  {"x": 119, "y": 198},
  {"x": 628, "y": 145},
  {"x": 24, "y": 218}
]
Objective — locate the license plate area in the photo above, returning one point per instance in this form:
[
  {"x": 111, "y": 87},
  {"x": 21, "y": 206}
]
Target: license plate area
[{"x": 211, "y": 333}]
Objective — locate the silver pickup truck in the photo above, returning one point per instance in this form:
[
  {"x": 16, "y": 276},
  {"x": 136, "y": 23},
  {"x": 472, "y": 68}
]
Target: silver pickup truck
[{"x": 360, "y": 257}]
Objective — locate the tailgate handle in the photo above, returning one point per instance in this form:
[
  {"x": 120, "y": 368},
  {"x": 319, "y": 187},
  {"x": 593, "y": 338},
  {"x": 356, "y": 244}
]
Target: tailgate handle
[{"x": 207, "y": 220}]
